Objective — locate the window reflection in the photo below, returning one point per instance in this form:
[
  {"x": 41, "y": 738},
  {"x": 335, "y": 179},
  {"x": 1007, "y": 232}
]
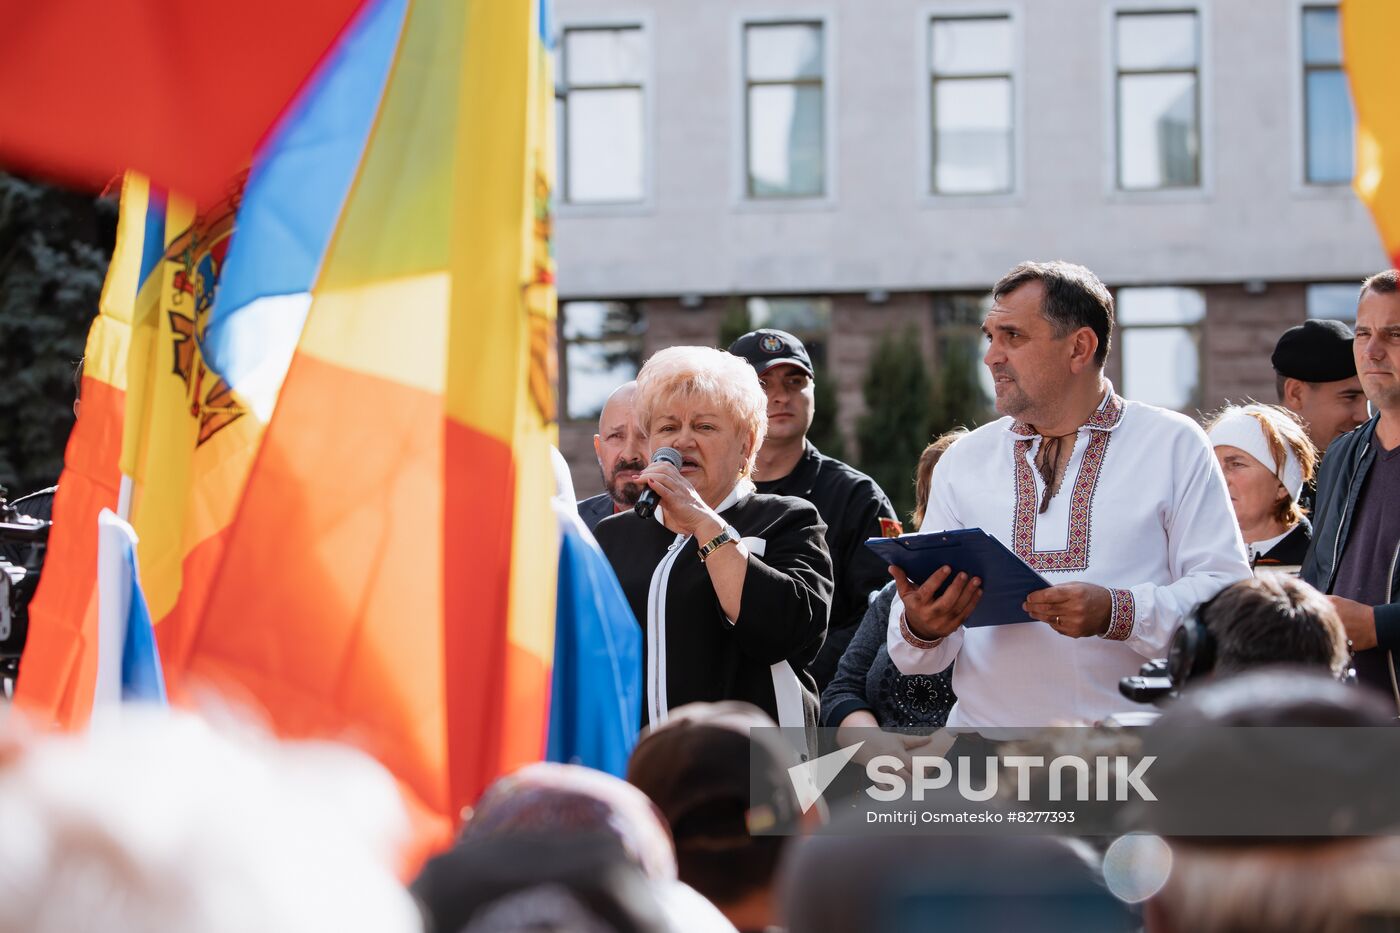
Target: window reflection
[
  {"x": 1327, "y": 109},
  {"x": 1333, "y": 301},
  {"x": 1159, "y": 332},
  {"x": 1158, "y": 92},
  {"x": 602, "y": 349},
  {"x": 785, "y": 105},
  {"x": 601, "y": 116},
  {"x": 970, "y": 65}
]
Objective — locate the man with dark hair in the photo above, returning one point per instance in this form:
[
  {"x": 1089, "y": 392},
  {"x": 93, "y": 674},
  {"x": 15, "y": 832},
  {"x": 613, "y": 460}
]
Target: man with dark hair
[
  {"x": 621, "y": 451},
  {"x": 853, "y": 506},
  {"x": 1122, "y": 506},
  {"x": 1316, "y": 380},
  {"x": 724, "y": 790},
  {"x": 1355, "y": 553},
  {"x": 1273, "y": 619}
]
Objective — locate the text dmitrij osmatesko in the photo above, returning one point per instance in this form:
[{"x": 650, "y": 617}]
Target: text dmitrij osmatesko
[
  {"x": 915, "y": 817},
  {"x": 1106, "y": 778}
]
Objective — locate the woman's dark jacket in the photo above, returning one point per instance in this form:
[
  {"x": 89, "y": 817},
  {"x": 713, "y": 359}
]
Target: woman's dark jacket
[
  {"x": 866, "y": 679},
  {"x": 692, "y": 651}
]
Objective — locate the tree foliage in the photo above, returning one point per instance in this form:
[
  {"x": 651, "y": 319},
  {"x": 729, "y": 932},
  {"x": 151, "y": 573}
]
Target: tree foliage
[
  {"x": 54, "y": 249},
  {"x": 896, "y": 426}
]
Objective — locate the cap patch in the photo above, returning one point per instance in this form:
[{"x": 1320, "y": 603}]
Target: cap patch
[{"x": 771, "y": 343}]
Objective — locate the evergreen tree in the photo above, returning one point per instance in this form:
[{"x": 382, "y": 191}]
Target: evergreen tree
[
  {"x": 895, "y": 427},
  {"x": 54, "y": 249}
]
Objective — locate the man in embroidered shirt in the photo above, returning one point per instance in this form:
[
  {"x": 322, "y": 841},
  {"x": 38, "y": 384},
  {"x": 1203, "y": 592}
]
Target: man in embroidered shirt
[{"x": 1120, "y": 505}]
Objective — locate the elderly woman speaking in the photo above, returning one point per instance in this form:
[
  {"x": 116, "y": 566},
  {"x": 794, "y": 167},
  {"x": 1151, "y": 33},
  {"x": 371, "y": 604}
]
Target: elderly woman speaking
[{"x": 733, "y": 587}]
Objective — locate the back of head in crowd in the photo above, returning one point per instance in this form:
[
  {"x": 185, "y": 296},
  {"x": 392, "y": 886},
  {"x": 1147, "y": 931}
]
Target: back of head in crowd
[
  {"x": 857, "y": 880},
  {"x": 1311, "y": 883},
  {"x": 601, "y": 834},
  {"x": 1269, "y": 619},
  {"x": 696, "y": 767},
  {"x": 556, "y": 800},
  {"x": 155, "y": 821}
]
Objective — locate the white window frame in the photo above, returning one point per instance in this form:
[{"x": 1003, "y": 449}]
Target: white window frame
[
  {"x": 642, "y": 20},
  {"x": 1014, "y": 11},
  {"x": 1303, "y": 188},
  {"x": 739, "y": 145},
  {"x": 1204, "y": 190}
]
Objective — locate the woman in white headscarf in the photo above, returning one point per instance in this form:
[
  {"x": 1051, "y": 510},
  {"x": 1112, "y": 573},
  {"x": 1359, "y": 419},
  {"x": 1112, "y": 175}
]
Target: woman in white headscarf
[{"x": 1267, "y": 458}]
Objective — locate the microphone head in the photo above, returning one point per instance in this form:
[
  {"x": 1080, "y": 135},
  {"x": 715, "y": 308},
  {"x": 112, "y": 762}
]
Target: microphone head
[{"x": 667, "y": 455}]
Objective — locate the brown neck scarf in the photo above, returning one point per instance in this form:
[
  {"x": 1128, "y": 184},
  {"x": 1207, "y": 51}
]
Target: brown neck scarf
[{"x": 1047, "y": 464}]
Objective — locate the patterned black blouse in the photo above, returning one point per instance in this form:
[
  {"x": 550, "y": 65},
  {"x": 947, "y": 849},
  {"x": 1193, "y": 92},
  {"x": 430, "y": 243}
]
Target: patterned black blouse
[{"x": 867, "y": 679}]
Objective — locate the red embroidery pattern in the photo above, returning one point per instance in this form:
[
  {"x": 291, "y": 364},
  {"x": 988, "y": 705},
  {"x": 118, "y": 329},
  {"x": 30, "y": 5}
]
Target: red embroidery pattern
[
  {"x": 914, "y": 641},
  {"x": 1121, "y": 617},
  {"x": 1075, "y": 556}
]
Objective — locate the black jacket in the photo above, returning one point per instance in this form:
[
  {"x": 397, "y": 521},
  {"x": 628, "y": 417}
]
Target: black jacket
[
  {"x": 852, "y": 506},
  {"x": 1291, "y": 551},
  {"x": 867, "y": 679},
  {"x": 692, "y": 651},
  {"x": 594, "y": 509},
  {"x": 1344, "y": 468}
]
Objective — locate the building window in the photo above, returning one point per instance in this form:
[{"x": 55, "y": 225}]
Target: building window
[
  {"x": 807, "y": 319},
  {"x": 1333, "y": 301},
  {"x": 1158, "y": 79},
  {"x": 971, "y": 105},
  {"x": 602, "y": 350},
  {"x": 1327, "y": 116},
  {"x": 1159, "y": 330},
  {"x": 600, "y": 107},
  {"x": 785, "y": 110}
]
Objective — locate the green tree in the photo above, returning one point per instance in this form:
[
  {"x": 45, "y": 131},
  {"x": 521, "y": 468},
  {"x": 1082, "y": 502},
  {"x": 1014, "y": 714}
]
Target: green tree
[
  {"x": 54, "y": 249},
  {"x": 895, "y": 427}
]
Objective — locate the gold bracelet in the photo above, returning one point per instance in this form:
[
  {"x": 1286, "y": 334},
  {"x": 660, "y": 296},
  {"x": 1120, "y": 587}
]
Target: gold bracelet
[{"x": 715, "y": 543}]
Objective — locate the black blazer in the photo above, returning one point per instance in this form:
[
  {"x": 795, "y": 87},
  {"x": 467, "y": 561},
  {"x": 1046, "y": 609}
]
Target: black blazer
[{"x": 692, "y": 651}]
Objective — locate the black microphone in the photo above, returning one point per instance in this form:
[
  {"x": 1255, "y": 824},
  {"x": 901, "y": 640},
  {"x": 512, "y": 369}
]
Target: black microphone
[{"x": 647, "y": 501}]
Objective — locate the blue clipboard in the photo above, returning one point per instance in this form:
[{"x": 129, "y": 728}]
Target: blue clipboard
[{"x": 1006, "y": 579}]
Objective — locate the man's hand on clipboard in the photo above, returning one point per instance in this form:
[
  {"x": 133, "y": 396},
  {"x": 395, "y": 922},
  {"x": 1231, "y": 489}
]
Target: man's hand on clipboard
[
  {"x": 1078, "y": 610},
  {"x": 931, "y": 615}
]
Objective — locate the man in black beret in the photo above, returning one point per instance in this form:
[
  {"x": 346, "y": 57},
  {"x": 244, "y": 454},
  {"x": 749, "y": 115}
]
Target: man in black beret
[{"x": 1317, "y": 379}]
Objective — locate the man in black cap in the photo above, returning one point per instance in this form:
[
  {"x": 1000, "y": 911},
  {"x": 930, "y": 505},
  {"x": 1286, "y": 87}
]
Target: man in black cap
[
  {"x": 851, "y": 503},
  {"x": 1317, "y": 380}
]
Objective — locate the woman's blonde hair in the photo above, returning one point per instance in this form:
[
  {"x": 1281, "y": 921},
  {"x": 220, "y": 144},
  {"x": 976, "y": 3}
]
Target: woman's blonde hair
[
  {"x": 705, "y": 373},
  {"x": 923, "y": 473},
  {"x": 1283, "y": 430}
]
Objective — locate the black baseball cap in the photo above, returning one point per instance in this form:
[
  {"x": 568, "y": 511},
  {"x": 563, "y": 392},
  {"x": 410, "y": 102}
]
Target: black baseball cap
[
  {"x": 1315, "y": 351},
  {"x": 767, "y": 348}
]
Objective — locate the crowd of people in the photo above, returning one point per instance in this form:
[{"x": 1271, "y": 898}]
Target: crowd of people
[{"x": 1258, "y": 551}]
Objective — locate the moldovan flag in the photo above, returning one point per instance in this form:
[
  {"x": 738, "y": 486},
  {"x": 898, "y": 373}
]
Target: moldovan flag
[
  {"x": 60, "y": 659},
  {"x": 341, "y": 407},
  {"x": 388, "y": 576},
  {"x": 1369, "y": 32}
]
